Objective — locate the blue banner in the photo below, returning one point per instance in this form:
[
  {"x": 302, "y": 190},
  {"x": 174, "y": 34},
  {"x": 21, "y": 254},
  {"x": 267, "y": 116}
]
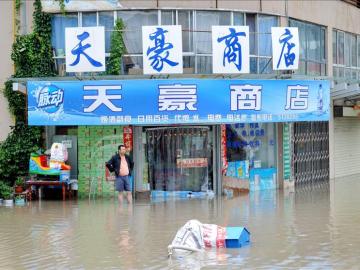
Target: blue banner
[{"x": 178, "y": 101}]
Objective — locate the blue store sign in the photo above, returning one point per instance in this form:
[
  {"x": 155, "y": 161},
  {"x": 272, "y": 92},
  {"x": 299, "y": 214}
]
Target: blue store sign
[{"x": 182, "y": 101}]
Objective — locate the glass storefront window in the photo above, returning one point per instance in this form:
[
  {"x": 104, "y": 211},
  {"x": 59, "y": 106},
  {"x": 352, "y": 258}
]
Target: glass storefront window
[
  {"x": 353, "y": 51},
  {"x": 106, "y": 19},
  {"x": 196, "y": 34},
  {"x": 168, "y": 17},
  {"x": 185, "y": 19},
  {"x": 58, "y": 24},
  {"x": 358, "y": 49},
  {"x": 204, "y": 64},
  {"x": 250, "y": 156},
  {"x": 254, "y": 142},
  {"x": 179, "y": 158},
  {"x": 265, "y": 23},
  {"x": 250, "y": 21},
  {"x": 312, "y": 47},
  {"x": 204, "y": 21},
  {"x": 260, "y": 42},
  {"x": 133, "y": 21},
  {"x": 89, "y": 19},
  {"x": 334, "y": 46},
  {"x": 238, "y": 18},
  {"x": 346, "y": 55}
]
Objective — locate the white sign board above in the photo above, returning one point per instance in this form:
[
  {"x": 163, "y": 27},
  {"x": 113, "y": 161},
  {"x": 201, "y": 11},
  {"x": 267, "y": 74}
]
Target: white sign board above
[
  {"x": 85, "y": 49},
  {"x": 285, "y": 47},
  {"x": 162, "y": 49},
  {"x": 230, "y": 48}
]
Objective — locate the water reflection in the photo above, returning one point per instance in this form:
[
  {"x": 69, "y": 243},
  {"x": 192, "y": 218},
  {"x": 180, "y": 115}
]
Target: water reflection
[{"x": 313, "y": 226}]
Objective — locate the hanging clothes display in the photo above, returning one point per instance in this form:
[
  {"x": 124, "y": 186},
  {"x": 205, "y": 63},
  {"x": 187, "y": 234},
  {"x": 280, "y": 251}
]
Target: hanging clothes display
[{"x": 179, "y": 158}]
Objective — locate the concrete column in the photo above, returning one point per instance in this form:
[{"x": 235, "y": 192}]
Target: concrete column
[
  {"x": 331, "y": 142},
  {"x": 329, "y": 69},
  {"x": 6, "y": 67},
  {"x": 138, "y": 155}
]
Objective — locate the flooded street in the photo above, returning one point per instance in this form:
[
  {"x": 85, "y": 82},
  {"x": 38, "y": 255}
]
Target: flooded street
[{"x": 316, "y": 227}]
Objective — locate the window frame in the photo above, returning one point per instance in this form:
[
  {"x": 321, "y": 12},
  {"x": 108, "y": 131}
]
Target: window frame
[
  {"x": 346, "y": 70},
  {"x": 192, "y": 54}
]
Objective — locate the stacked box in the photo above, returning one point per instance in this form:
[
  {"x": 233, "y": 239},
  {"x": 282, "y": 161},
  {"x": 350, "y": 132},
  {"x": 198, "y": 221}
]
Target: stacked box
[
  {"x": 72, "y": 131},
  {"x": 99, "y": 133},
  {"x": 108, "y": 189},
  {"x": 98, "y": 181},
  {"x": 84, "y": 154},
  {"x": 83, "y": 185},
  {"x": 84, "y": 142},
  {"x": 97, "y": 144},
  {"x": 109, "y": 131},
  {"x": 119, "y": 130},
  {"x": 84, "y": 166},
  {"x": 99, "y": 166},
  {"x": 83, "y": 132}
]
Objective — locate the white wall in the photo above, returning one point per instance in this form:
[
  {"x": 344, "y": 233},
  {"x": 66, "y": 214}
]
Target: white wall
[{"x": 6, "y": 67}]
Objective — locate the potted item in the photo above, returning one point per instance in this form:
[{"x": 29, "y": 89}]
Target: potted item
[
  {"x": 8, "y": 196},
  {"x": 19, "y": 200},
  {"x": 6, "y": 193},
  {"x": 19, "y": 185}
]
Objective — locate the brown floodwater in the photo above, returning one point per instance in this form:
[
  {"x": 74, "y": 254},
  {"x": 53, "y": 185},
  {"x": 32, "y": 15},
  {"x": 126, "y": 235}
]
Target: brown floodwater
[{"x": 315, "y": 227}]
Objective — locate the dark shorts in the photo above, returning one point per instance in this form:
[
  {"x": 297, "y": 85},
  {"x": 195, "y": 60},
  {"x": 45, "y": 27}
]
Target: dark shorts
[{"x": 122, "y": 183}]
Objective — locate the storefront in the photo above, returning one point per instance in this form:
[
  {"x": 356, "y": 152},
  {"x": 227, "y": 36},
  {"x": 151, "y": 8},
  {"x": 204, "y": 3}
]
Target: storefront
[
  {"x": 251, "y": 156},
  {"x": 187, "y": 136}
]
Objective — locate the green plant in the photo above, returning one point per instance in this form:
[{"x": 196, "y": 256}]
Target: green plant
[
  {"x": 32, "y": 56},
  {"x": 19, "y": 181},
  {"x": 6, "y": 191},
  {"x": 15, "y": 151},
  {"x": 16, "y": 101},
  {"x": 17, "y": 20},
  {"x": 117, "y": 49},
  {"x": 19, "y": 198},
  {"x": 61, "y": 5},
  {"x": 32, "y": 53}
]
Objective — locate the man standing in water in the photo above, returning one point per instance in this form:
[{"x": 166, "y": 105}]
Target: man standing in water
[{"x": 122, "y": 165}]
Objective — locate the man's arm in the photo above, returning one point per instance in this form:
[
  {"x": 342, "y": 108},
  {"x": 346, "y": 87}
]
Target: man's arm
[{"x": 110, "y": 164}]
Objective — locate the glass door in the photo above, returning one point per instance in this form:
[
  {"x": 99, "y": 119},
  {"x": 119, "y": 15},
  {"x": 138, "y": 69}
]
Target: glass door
[{"x": 179, "y": 158}]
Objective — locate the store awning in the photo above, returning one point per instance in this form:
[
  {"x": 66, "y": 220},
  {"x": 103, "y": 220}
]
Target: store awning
[{"x": 345, "y": 90}]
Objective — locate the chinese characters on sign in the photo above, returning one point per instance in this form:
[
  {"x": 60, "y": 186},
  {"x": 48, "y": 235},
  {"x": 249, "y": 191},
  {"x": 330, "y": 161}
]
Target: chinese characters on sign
[
  {"x": 223, "y": 150},
  {"x": 162, "y": 49},
  {"x": 285, "y": 46},
  {"x": 191, "y": 101},
  {"x": 85, "y": 49},
  {"x": 47, "y": 98},
  {"x": 102, "y": 97},
  {"x": 177, "y": 97},
  {"x": 191, "y": 162},
  {"x": 128, "y": 138},
  {"x": 297, "y": 97},
  {"x": 230, "y": 49},
  {"x": 245, "y": 97}
]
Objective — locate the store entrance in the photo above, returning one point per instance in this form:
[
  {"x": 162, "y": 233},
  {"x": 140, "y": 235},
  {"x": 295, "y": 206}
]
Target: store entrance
[{"x": 179, "y": 158}]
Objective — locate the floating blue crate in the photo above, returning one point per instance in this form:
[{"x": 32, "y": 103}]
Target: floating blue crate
[
  {"x": 157, "y": 194},
  {"x": 236, "y": 237}
]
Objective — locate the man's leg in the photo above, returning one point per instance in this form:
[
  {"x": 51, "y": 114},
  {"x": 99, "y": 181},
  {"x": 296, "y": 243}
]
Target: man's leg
[
  {"x": 120, "y": 197},
  {"x": 120, "y": 188},
  {"x": 127, "y": 188},
  {"x": 129, "y": 197}
]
